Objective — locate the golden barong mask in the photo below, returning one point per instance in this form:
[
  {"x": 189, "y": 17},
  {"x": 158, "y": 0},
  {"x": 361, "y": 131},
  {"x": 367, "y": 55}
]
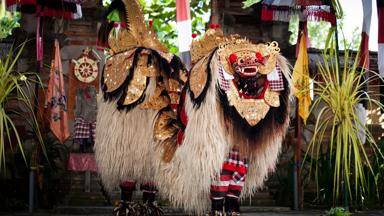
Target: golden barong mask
[
  {"x": 246, "y": 58},
  {"x": 249, "y": 90},
  {"x": 244, "y": 68}
]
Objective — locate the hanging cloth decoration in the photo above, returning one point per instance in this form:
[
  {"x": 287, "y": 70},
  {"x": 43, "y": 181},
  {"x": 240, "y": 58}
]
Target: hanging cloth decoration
[
  {"x": 283, "y": 10},
  {"x": 303, "y": 27},
  {"x": 68, "y": 9},
  {"x": 85, "y": 113},
  {"x": 300, "y": 78},
  {"x": 56, "y": 98}
]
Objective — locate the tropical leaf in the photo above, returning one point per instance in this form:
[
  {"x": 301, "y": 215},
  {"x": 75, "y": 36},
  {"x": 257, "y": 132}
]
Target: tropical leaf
[{"x": 15, "y": 86}]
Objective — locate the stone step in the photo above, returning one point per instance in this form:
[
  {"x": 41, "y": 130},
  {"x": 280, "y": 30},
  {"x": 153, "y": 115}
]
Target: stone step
[
  {"x": 107, "y": 210},
  {"x": 84, "y": 199},
  {"x": 262, "y": 198},
  {"x": 259, "y": 202}
]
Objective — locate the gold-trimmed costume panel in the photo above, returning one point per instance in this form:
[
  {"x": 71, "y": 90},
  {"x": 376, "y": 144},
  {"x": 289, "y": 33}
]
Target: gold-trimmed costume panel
[
  {"x": 117, "y": 69},
  {"x": 157, "y": 101},
  {"x": 252, "y": 110},
  {"x": 136, "y": 87},
  {"x": 201, "y": 48},
  {"x": 199, "y": 77},
  {"x": 272, "y": 98}
]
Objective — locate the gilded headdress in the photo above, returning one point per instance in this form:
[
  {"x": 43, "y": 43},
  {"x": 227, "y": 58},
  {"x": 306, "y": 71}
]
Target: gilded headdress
[
  {"x": 210, "y": 40},
  {"x": 137, "y": 34}
]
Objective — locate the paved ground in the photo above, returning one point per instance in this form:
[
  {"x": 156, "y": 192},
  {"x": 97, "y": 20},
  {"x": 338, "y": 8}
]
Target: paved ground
[
  {"x": 305, "y": 213},
  {"x": 246, "y": 212}
]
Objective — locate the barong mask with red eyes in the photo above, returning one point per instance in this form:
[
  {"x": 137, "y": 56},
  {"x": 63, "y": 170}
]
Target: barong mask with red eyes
[{"x": 248, "y": 73}]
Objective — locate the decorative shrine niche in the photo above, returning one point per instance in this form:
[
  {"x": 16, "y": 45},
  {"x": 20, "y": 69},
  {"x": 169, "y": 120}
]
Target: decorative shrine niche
[{"x": 84, "y": 72}]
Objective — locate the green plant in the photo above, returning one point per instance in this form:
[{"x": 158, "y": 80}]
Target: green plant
[
  {"x": 339, "y": 90},
  {"x": 8, "y": 21},
  {"x": 249, "y": 3},
  {"x": 15, "y": 87},
  {"x": 163, "y": 14},
  {"x": 338, "y": 211},
  {"x": 374, "y": 197}
]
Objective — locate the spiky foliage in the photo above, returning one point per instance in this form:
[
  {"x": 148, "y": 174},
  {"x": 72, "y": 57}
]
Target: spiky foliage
[
  {"x": 339, "y": 90},
  {"x": 15, "y": 86},
  {"x": 337, "y": 212}
]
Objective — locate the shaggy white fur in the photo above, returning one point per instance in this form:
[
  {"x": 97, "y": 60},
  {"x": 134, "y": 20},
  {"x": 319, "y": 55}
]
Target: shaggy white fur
[
  {"x": 186, "y": 180},
  {"x": 125, "y": 148},
  {"x": 263, "y": 160},
  {"x": 124, "y": 142}
]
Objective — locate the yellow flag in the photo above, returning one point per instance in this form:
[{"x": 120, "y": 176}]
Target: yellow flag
[{"x": 300, "y": 79}]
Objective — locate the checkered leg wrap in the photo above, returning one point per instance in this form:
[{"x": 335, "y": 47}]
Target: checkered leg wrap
[{"x": 232, "y": 177}]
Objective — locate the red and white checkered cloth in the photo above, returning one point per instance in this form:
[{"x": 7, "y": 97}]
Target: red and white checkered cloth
[
  {"x": 231, "y": 180},
  {"x": 224, "y": 84},
  {"x": 276, "y": 82},
  {"x": 236, "y": 164},
  {"x": 84, "y": 129}
]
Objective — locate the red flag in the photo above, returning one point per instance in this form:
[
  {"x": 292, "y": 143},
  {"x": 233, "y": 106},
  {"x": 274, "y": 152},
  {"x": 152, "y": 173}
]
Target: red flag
[
  {"x": 184, "y": 29},
  {"x": 364, "y": 45},
  {"x": 56, "y": 98}
]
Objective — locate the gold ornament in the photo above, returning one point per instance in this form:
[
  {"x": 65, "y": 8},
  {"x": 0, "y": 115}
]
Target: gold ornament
[
  {"x": 86, "y": 69},
  {"x": 165, "y": 132},
  {"x": 244, "y": 48},
  {"x": 173, "y": 85},
  {"x": 164, "y": 129},
  {"x": 136, "y": 87},
  {"x": 121, "y": 41},
  {"x": 156, "y": 101},
  {"x": 175, "y": 97},
  {"x": 117, "y": 69},
  {"x": 252, "y": 110},
  {"x": 137, "y": 34},
  {"x": 199, "y": 77},
  {"x": 146, "y": 70},
  {"x": 272, "y": 98},
  {"x": 201, "y": 48}
]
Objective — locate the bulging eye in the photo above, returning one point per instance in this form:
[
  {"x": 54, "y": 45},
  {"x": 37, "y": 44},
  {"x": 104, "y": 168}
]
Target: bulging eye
[
  {"x": 259, "y": 56},
  {"x": 232, "y": 58}
]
